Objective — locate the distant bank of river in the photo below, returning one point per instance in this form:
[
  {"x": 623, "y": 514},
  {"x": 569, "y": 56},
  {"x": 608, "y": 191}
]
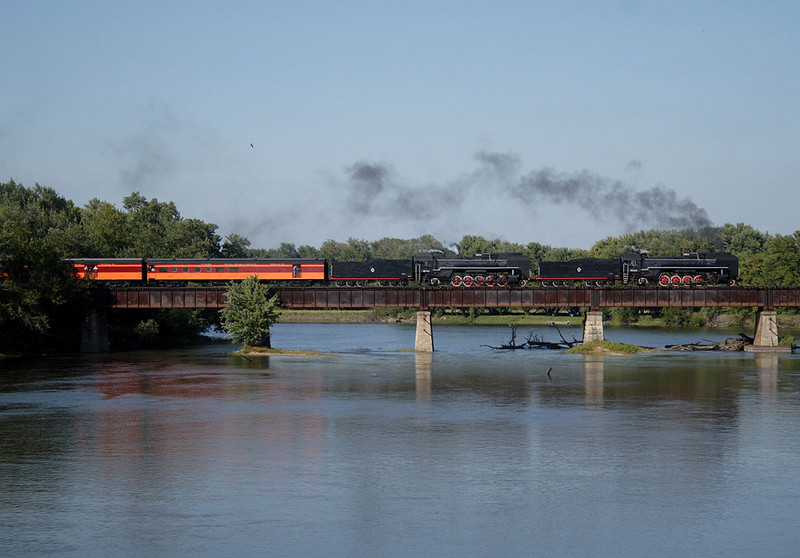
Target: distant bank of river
[{"x": 791, "y": 322}]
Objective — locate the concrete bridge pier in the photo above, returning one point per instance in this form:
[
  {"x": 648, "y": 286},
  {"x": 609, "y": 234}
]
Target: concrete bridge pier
[
  {"x": 593, "y": 326},
  {"x": 94, "y": 333},
  {"x": 424, "y": 338},
  {"x": 766, "y": 337}
]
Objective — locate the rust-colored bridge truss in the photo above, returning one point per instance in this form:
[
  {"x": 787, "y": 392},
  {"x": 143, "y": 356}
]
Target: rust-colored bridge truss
[{"x": 423, "y": 298}]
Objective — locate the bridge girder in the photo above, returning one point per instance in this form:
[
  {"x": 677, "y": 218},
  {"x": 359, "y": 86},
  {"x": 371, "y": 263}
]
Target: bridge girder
[{"x": 393, "y": 297}]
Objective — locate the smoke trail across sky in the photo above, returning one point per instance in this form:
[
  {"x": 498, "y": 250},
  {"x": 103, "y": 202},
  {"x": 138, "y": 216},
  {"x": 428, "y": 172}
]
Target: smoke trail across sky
[{"x": 375, "y": 189}]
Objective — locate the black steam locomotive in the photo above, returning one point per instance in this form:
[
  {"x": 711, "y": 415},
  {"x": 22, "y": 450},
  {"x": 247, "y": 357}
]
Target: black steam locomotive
[{"x": 714, "y": 268}]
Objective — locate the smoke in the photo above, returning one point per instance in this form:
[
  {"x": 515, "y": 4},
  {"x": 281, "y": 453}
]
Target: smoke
[
  {"x": 374, "y": 189},
  {"x": 611, "y": 200}
]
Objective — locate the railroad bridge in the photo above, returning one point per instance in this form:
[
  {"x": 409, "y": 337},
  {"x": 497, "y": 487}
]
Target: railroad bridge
[{"x": 765, "y": 299}]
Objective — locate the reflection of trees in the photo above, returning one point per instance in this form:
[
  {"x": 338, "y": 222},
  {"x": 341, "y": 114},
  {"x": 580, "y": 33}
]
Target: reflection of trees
[{"x": 179, "y": 415}]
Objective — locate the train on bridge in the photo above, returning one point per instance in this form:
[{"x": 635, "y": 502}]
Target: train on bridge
[{"x": 510, "y": 270}]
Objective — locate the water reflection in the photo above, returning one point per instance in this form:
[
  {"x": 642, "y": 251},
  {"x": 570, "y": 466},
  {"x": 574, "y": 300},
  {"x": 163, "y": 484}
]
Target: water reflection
[
  {"x": 473, "y": 452},
  {"x": 593, "y": 369},
  {"x": 766, "y": 365},
  {"x": 423, "y": 363}
]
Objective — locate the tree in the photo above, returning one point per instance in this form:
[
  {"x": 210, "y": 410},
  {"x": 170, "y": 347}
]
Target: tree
[
  {"x": 742, "y": 240},
  {"x": 781, "y": 264},
  {"x": 106, "y": 229},
  {"x": 235, "y": 246},
  {"x": 250, "y": 313},
  {"x": 656, "y": 242},
  {"x": 41, "y": 304},
  {"x": 192, "y": 238}
]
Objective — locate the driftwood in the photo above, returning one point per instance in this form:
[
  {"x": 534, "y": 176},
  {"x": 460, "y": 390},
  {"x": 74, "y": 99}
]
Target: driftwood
[
  {"x": 534, "y": 342},
  {"x": 730, "y": 344}
]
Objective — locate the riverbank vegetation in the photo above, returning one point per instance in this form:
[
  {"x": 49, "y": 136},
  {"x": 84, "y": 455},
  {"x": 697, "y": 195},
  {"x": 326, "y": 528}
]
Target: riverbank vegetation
[
  {"x": 42, "y": 304},
  {"x": 250, "y": 313},
  {"x": 608, "y": 348}
]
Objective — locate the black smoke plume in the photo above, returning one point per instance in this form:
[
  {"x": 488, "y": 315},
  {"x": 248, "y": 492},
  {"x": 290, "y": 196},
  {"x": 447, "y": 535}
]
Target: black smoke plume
[
  {"x": 612, "y": 200},
  {"x": 374, "y": 189}
]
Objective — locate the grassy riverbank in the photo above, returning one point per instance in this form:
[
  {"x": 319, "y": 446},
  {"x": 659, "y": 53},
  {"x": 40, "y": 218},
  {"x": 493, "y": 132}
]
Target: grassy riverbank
[{"x": 609, "y": 348}]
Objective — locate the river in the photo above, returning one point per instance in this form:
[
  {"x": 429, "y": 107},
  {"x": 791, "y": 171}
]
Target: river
[{"x": 377, "y": 451}]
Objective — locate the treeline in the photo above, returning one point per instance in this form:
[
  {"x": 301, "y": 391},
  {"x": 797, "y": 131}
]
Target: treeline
[{"x": 41, "y": 304}]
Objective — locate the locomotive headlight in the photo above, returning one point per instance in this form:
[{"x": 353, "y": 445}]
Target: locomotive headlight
[
  {"x": 372, "y": 270},
  {"x": 579, "y": 270}
]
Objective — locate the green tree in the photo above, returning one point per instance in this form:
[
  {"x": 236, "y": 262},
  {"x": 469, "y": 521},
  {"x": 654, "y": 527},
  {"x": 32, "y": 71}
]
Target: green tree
[
  {"x": 41, "y": 304},
  {"x": 234, "y": 246},
  {"x": 742, "y": 240},
  {"x": 657, "y": 243},
  {"x": 250, "y": 313},
  {"x": 781, "y": 264},
  {"x": 354, "y": 250},
  {"x": 156, "y": 230},
  {"x": 106, "y": 230},
  {"x": 192, "y": 238},
  {"x": 306, "y": 251},
  {"x": 471, "y": 245}
]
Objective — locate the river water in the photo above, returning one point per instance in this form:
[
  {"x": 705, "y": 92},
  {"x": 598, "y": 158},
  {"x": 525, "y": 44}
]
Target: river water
[{"x": 377, "y": 451}]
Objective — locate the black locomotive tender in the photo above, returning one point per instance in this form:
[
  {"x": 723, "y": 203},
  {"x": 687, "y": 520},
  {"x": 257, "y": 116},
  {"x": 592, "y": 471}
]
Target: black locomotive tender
[{"x": 514, "y": 270}]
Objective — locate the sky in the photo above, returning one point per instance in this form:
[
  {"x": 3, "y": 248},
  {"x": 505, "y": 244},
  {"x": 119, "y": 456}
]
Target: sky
[{"x": 559, "y": 122}]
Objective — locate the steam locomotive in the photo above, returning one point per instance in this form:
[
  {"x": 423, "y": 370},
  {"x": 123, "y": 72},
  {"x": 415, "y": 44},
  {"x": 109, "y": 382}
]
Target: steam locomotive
[
  {"x": 715, "y": 268},
  {"x": 481, "y": 270}
]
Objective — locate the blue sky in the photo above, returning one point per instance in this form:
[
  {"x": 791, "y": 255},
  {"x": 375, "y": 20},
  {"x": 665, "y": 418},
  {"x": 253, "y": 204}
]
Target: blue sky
[{"x": 557, "y": 122}]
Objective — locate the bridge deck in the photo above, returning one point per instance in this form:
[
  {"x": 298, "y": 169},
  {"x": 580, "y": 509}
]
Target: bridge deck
[{"x": 393, "y": 297}]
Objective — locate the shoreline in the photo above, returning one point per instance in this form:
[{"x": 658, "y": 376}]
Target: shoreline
[{"x": 789, "y": 322}]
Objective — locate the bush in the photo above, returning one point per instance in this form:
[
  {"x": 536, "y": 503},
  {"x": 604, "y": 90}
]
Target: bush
[
  {"x": 788, "y": 340},
  {"x": 147, "y": 331},
  {"x": 683, "y": 317}
]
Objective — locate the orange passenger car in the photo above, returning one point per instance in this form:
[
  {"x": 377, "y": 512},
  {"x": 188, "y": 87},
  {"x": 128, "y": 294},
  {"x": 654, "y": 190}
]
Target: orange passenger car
[
  {"x": 110, "y": 269},
  {"x": 296, "y": 270}
]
